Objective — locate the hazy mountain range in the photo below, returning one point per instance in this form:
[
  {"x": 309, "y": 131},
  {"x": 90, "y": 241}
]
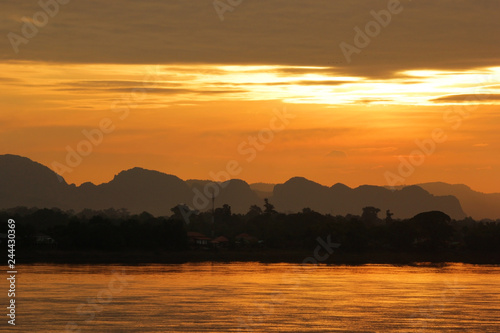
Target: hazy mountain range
[
  {"x": 476, "y": 204},
  {"x": 24, "y": 182}
]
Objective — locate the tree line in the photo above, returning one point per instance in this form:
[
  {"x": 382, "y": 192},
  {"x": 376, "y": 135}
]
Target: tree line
[{"x": 113, "y": 230}]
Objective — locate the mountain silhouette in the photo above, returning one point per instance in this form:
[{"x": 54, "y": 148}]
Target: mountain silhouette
[
  {"x": 137, "y": 190},
  {"x": 28, "y": 183},
  {"x": 298, "y": 193},
  {"x": 235, "y": 192},
  {"x": 476, "y": 204},
  {"x": 24, "y": 182}
]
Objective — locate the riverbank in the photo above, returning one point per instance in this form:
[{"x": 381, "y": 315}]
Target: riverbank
[{"x": 260, "y": 255}]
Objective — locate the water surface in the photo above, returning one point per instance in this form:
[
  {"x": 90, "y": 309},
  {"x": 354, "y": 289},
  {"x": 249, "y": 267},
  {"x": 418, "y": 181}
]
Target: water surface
[{"x": 254, "y": 297}]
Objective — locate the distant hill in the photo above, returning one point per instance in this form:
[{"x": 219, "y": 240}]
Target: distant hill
[
  {"x": 478, "y": 205},
  {"x": 236, "y": 193},
  {"x": 263, "y": 190},
  {"x": 137, "y": 190},
  {"x": 298, "y": 193},
  {"x": 27, "y": 183}
]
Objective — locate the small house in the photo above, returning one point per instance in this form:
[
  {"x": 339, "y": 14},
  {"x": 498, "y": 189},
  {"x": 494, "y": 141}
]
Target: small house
[{"x": 198, "y": 239}]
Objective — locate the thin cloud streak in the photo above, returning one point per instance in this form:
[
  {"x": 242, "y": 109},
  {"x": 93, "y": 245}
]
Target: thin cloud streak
[{"x": 250, "y": 83}]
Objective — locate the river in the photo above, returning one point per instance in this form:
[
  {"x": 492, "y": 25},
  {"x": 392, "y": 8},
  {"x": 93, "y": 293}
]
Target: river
[{"x": 254, "y": 297}]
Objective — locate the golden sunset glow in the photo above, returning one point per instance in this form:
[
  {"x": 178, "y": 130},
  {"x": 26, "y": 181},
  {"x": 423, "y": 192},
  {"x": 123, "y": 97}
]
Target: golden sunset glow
[
  {"x": 258, "y": 166},
  {"x": 183, "y": 104},
  {"x": 189, "y": 120}
]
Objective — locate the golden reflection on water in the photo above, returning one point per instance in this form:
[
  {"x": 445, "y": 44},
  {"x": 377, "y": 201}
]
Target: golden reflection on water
[{"x": 254, "y": 297}]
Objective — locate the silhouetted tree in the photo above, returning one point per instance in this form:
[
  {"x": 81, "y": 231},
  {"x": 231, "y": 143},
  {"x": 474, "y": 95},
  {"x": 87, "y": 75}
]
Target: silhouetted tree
[
  {"x": 225, "y": 210},
  {"x": 400, "y": 235},
  {"x": 370, "y": 214},
  {"x": 356, "y": 236},
  {"x": 483, "y": 237},
  {"x": 254, "y": 211},
  {"x": 268, "y": 207},
  {"x": 432, "y": 229},
  {"x": 388, "y": 216},
  {"x": 111, "y": 230}
]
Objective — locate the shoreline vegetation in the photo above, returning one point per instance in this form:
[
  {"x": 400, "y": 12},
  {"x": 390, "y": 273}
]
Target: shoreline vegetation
[{"x": 261, "y": 235}]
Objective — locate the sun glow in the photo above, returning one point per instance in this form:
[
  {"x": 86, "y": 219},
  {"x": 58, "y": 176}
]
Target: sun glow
[
  {"x": 93, "y": 85},
  {"x": 367, "y": 123}
]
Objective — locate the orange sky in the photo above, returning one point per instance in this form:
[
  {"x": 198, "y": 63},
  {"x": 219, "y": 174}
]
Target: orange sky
[{"x": 190, "y": 114}]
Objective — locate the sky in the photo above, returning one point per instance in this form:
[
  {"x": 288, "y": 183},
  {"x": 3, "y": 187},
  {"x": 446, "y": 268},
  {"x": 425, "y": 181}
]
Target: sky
[{"x": 357, "y": 92}]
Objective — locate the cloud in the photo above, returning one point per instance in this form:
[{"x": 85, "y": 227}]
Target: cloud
[
  {"x": 337, "y": 154},
  {"x": 285, "y": 83},
  {"x": 104, "y": 83},
  {"x": 427, "y": 34},
  {"x": 141, "y": 87},
  {"x": 321, "y": 83},
  {"x": 376, "y": 150},
  {"x": 9, "y": 80},
  {"x": 469, "y": 98},
  {"x": 373, "y": 100},
  {"x": 155, "y": 90},
  {"x": 314, "y": 134}
]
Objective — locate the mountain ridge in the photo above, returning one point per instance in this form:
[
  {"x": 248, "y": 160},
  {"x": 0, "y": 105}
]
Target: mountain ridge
[
  {"x": 478, "y": 205},
  {"x": 28, "y": 183}
]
